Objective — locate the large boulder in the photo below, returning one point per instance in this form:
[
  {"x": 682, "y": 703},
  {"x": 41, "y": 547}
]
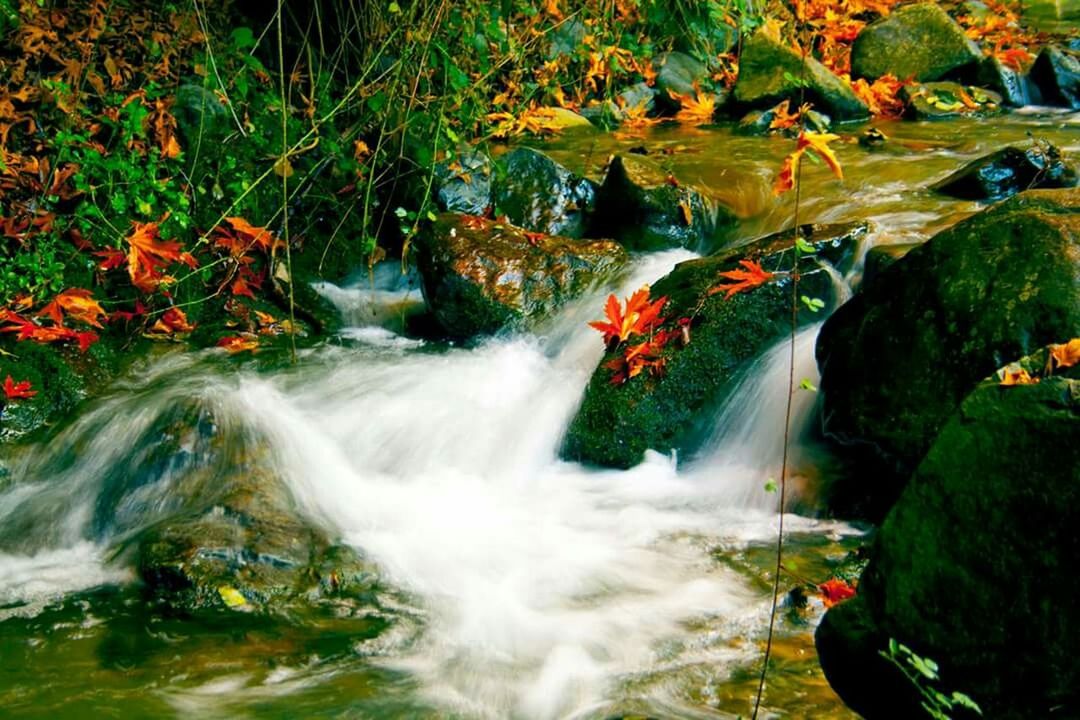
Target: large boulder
[
  {"x": 1056, "y": 72},
  {"x": 679, "y": 74},
  {"x": 898, "y": 358},
  {"x": 647, "y": 208},
  {"x": 770, "y": 72},
  {"x": 1008, "y": 171},
  {"x": 977, "y": 567},
  {"x": 916, "y": 41},
  {"x": 537, "y": 193},
  {"x": 617, "y": 423},
  {"x": 480, "y": 276}
]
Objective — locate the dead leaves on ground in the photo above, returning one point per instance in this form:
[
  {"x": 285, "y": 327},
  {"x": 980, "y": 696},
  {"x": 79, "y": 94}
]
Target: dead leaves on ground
[{"x": 638, "y": 318}]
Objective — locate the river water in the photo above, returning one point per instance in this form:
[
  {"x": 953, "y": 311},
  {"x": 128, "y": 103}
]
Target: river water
[{"x": 526, "y": 587}]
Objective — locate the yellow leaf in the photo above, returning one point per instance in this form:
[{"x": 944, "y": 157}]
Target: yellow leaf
[
  {"x": 231, "y": 596},
  {"x": 1065, "y": 355},
  {"x": 283, "y": 168},
  {"x": 1015, "y": 375}
]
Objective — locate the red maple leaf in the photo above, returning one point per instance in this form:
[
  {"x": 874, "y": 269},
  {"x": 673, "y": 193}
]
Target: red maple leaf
[
  {"x": 18, "y": 390},
  {"x": 835, "y": 591},
  {"x": 750, "y": 277}
]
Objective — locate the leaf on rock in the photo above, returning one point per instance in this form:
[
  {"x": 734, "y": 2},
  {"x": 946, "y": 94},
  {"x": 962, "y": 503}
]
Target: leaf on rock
[
  {"x": 751, "y": 276},
  {"x": 18, "y": 390}
]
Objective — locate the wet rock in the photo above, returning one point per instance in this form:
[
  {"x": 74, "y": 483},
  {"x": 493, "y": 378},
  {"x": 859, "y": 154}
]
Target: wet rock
[
  {"x": 897, "y": 359},
  {"x": 759, "y": 122},
  {"x": 463, "y": 183},
  {"x": 566, "y": 38},
  {"x": 230, "y": 537},
  {"x": 880, "y": 257},
  {"x": 616, "y": 424},
  {"x": 606, "y": 115},
  {"x": 647, "y": 208},
  {"x": 1011, "y": 85},
  {"x": 679, "y": 74},
  {"x": 557, "y": 118},
  {"x": 976, "y": 565},
  {"x": 769, "y": 72},
  {"x": 944, "y": 100},
  {"x": 200, "y": 116},
  {"x": 1056, "y": 72},
  {"x": 479, "y": 276},
  {"x": 640, "y": 95},
  {"x": 539, "y": 194},
  {"x": 1008, "y": 171},
  {"x": 915, "y": 41}
]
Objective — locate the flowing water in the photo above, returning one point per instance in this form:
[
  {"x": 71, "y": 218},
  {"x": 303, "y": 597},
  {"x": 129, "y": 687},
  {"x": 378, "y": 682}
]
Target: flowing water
[{"x": 524, "y": 586}]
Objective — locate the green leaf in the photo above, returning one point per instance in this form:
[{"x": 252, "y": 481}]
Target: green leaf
[
  {"x": 807, "y": 385},
  {"x": 770, "y": 485},
  {"x": 243, "y": 38},
  {"x": 394, "y": 8},
  {"x": 812, "y": 304},
  {"x": 376, "y": 102},
  {"x": 803, "y": 246}
]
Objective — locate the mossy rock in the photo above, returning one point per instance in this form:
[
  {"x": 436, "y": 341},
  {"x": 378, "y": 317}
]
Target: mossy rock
[
  {"x": 769, "y": 72},
  {"x": 898, "y": 358},
  {"x": 463, "y": 183},
  {"x": 916, "y": 41},
  {"x": 616, "y": 424},
  {"x": 945, "y": 100},
  {"x": 645, "y": 207},
  {"x": 976, "y": 567},
  {"x": 62, "y": 377},
  {"x": 536, "y": 193},
  {"x": 480, "y": 276}
]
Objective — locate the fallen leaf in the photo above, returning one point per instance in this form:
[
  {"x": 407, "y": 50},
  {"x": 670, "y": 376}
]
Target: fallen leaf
[
  {"x": 1065, "y": 355},
  {"x": 1015, "y": 375},
  {"x": 835, "y": 591},
  {"x": 751, "y": 276},
  {"x": 18, "y": 390}
]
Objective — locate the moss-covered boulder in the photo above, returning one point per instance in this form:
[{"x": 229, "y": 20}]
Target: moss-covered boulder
[
  {"x": 898, "y": 358},
  {"x": 978, "y": 565},
  {"x": 617, "y": 423},
  {"x": 536, "y": 193},
  {"x": 1056, "y": 73},
  {"x": 645, "y": 207},
  {"x": 769, "y": 72},
  {"x": 945, "y": 100},
  {"x": 480, "y": 276},
  {"x": 916, "y": 41},
  {"x": 60, "y": 376},
  {"x": 1008, "y": 171},
  {"x": 1004, "y": 80}
]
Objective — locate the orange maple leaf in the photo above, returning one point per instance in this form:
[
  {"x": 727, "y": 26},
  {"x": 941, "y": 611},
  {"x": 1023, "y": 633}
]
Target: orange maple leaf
[
  {"x": 239, "y": 343},
  {"x": 817, "y": 143},
  {"x": 638, "y": 317},
  {"x": 1066, "y": 354},
  {"x": 1016, "y": 375},
  {"x": 77, "y": 304},
  {"x": 748, "y": 278},
  {"x": 698, "y": 109},
  {"x": 148, "y": 255},
  {"x": 835, "y": 591},
  {"x": 18, "y": 390}
]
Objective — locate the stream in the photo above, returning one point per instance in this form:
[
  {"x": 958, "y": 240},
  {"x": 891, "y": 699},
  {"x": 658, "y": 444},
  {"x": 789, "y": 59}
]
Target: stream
[{"x": 523, "y": 586}]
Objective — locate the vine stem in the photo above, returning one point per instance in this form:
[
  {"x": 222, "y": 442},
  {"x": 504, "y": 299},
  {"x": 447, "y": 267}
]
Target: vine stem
[
  {"x": 790, "y": 393},
  {"x": 284, "y": 166}
]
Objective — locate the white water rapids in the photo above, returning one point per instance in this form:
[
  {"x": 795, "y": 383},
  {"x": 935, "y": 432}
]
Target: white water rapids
[{"x": 544, "y": 585}]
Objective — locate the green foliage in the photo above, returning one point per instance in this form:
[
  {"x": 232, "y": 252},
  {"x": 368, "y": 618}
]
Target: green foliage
[{"x": 923, "y": 672}]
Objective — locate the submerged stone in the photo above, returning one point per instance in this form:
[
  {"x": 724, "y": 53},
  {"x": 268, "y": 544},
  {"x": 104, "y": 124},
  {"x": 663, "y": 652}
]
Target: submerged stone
[
  {"x": 481, "y": 276},
  {"x": 897, "y": 358},
  {"x": 943, "y": 100},
  {"x": 916, "y": 41},
  {"x": 975, "y": 567}
]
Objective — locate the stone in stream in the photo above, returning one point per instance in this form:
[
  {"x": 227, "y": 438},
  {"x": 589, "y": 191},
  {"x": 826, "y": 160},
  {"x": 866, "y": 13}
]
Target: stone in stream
[
  {"x": 1002, "y": 79},
  {"x": 463, "y": 183},
  {"x": 480, "y": 276},
  {"x": 231, "y": 537},
  {"x": 1008, "y": 171},
  {"x": 769, "y": 73},
  {"x": 944, "y": 100},
  {"x": 646, "y": 207},
  {"x": 679, "y": 74},
  {"x": 897, "y": 358},
  {"x": 536, "y": 193},
  {"x": 916, "y": 41},
  {"x": 977, "y": 566},
  {"x": 616, "y": 424},
  {"x": 1056, "y": 72}
]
